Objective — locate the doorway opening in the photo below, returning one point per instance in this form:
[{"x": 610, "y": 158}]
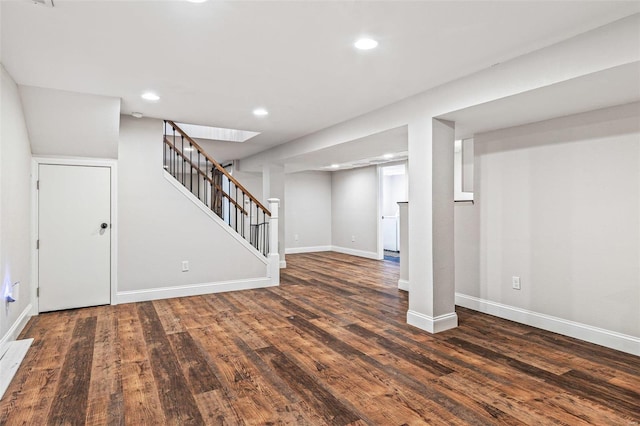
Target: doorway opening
[{"x": 393, "y": 189}]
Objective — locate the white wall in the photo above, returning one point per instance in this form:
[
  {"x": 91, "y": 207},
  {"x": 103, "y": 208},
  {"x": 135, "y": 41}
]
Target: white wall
[
  {"x": 308, "y": 205},
  {"x": 159, "y": 227},
  {"x": 15, "y": 207},
  {"x": 558, "y": 204},
  {"x": 71, "y": 124},
  {"x": 252, "y": 182},
  {"x": 354, "y": 211},
  {"x": 394, "y": 190}
]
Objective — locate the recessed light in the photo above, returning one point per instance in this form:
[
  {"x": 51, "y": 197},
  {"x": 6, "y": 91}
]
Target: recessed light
[
  {"x": 335, "y": 166},
  {"x": 150, "y": 96},
  {"x": 260, "y": 112},
  {"x": 366, "y": 44},
  {"x": 387, "y": 156},
  {"x": 136, "y": 114}
]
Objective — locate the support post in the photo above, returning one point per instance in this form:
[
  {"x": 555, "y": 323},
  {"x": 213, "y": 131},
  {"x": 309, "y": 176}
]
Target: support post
[
  {"x": 431, "y": 250},
  {"x": 274, "y": 257}
]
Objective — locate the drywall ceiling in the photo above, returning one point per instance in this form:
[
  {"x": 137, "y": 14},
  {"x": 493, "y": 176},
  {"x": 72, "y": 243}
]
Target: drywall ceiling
[
  {"x": 388, "y": 146},
  {"x": 212, "y": 63},
  {"x": 71, "y": 124},
  {"x": 615, "y": 86}
]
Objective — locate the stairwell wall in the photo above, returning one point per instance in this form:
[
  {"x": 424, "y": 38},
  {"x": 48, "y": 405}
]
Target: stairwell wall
[{"x": 159, "y": 228}]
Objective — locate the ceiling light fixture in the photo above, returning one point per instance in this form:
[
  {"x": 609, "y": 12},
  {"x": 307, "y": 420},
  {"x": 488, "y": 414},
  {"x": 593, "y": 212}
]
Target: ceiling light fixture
[
  {"x": 335, "y": 166},
  {"x": 387, "y": 156},
  {"x": 150, "y": 96},
  {"x": 260, "y": 112},
  {"x": 136, "y": 114},
  {"x": 366, "y": 44}
]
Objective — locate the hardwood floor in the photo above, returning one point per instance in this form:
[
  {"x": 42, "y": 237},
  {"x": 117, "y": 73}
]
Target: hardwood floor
[{"x": 329, "y": 346}]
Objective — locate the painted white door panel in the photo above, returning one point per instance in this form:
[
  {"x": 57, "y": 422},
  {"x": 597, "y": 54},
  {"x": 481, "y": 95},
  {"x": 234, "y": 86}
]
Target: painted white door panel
[{"x": 74, "y": 259}]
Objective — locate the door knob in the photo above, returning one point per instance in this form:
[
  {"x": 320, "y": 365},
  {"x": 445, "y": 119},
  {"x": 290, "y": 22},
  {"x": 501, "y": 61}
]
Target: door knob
[{"x": 104, "y": 226}]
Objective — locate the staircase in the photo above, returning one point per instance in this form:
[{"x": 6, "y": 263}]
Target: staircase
[{"x": 214, "y": 186}]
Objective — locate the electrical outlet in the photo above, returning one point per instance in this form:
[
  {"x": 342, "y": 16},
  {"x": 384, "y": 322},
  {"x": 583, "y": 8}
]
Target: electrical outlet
[
  {"x": 515, "y": 283},
  {"x": 185, "y": 265},
  {"x": 353, "y": 238}
]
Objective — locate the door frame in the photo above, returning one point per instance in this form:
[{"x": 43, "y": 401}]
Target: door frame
[{"x": 72, "y": 161}]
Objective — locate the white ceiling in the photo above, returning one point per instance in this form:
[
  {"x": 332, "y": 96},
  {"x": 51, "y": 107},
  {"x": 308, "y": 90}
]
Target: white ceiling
[
  {"x": 71, "y": 124},
  {"x": 366, "y": 151},
  {"x": 614, "y": 86},
  {"x": 213, "y": 63}
]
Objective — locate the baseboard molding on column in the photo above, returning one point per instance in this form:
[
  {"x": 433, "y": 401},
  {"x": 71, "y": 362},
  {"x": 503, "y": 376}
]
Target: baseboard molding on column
[
  {"x": 403, "y": 285},
  {"x": 283, "y": 264},
  {"x": 599, "y": 336},
  {"x": 432, "y": 324}
]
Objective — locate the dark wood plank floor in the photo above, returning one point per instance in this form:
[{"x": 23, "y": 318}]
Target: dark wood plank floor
[{"x": 329, "y": 346}]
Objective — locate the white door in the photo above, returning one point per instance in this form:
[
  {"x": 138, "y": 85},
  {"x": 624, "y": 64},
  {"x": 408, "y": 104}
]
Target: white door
[{"x": 74, "y": 233}]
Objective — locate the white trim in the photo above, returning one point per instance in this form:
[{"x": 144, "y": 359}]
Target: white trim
[
  {"x": 184, "y": 191},
  {"x": 282, "y": 264},
  {"x": 379, "y": 226},
  {"x": 193, "y": 290},
  {"x": 75, "y": 161},
  {"x": 273, "y": 269},
  {"x": 359, "y": 253},
  {"x": 15, "y": 330},
  {"x": 432, "y": 324},
  {"x": 599, "y": 336},
  {"x": 403, "y": 284},
  {"x": 35, "y": 277},
  {"x": 313, "y": 249}
]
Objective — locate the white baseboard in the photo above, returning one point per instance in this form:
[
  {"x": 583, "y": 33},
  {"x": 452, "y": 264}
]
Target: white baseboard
[
  {"x": 192, "y": 290},
  {"x": 403, "y": 284},
  {"x": 354, "y": 252},
  {"x": 599, "y": 336},
  {"x": 15, "y": 330},
  {"x": 283, "y": 264},
  {"x": 432, "y": 324},
  {"x": 314, "y": 249}
]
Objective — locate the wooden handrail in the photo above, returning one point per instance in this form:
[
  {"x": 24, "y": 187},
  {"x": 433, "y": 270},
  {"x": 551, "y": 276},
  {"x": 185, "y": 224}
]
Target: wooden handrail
[
  {"x": 206, "y": 177},
  {"x": 218, "y": 166}
]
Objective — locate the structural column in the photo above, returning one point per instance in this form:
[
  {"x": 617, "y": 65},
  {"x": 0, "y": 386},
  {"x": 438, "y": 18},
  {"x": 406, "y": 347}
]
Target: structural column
[
  {"x": 274, "y": 257},
  {"x": 431, "y": 250},
  {"x": 273, "y": 187}
]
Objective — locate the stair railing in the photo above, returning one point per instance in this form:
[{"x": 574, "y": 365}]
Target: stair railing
[{"x": 214, "y": 186}]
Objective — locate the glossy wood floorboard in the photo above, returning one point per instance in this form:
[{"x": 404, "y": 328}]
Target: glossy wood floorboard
[{"x": 330, "y": 346}]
